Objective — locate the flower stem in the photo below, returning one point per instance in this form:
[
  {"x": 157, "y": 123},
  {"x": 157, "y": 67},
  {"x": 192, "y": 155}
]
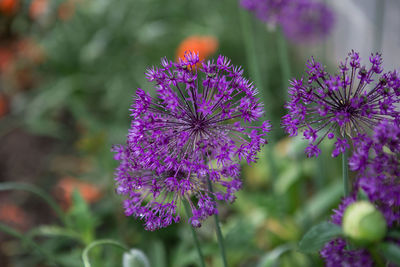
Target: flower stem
[
  {"x": 218, "y": 229},
  {"x": 195, "y": 238},
  {"x": 345, "y": 173},
  {"x": 284, "y": 61}
]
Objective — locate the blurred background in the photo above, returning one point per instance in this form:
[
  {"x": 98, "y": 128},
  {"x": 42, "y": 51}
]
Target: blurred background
[{"x": 68, "y": 71}]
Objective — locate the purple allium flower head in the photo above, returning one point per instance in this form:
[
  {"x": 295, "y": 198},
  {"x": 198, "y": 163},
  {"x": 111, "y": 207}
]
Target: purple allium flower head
[
  {"x": 301, "y": 20},
  {"x": 377, "y": 161},
  {"x": 197, "y": 128},
  {"x": 306, "y": 21},
  {"x": 341, "y": 106},
  {"x": 268, "y": 11},
  {"x": 336, "y": 254}
]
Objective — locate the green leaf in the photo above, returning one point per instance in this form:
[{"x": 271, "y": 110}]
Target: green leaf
[
  {"x": 391, "y": 252},
  {"x": 320, "y": 203},
  {"x": 81, "y": 218},
  {"x": 394, "y": 234},
  {"x": 26, "y": 240},
  {"x": 135, "y": 258},
  {"x": 54, "y": 231},
  {"x": 37, "y": 191},
  {"x": 318, "y": 235},
  {"x": 85, "y": 253},
  {"x": 272, "y": 257}
]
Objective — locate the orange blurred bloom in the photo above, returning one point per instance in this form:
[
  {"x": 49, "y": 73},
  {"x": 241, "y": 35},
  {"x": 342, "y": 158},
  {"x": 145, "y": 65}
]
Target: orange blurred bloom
[
  {"x": 66, "y": 9},
  {"x": 14, "y": 215},
  {"x": 66, "y": 186},
  {"x": 8, "y": 7},
  {"x": 38, "y": 8},
  {"x": 3, "y": 105},
  {"x": 28, "y": 48},
  {"x": 6, "y": 57},
  {"x": 204, "y": 45}
]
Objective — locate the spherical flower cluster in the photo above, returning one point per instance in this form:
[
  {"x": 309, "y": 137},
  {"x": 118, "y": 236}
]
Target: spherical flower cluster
[
  {"x": 301, "y": 20},
  {"x": 341, "y": 106},
  {"x": 307, "y": 21},
  {"x": 268, "y": 11},
  {"x": 194, "y": 132},
  {"x": 377, "y": 161}
]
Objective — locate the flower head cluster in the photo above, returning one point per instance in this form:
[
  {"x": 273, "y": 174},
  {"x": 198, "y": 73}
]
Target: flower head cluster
[
  {"x": 301, "y": 20},
  {"x": 341, "y": 106},
  {"x": 268, "y": 11},
  {"x": 335, "y": 253},
  {"x": 191, "y": 135},
  {"x": 307, "y": 21},
  {"x": 377, "y": 161}
]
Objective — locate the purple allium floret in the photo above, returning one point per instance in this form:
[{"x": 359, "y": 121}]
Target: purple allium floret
[
  {"x": 341, "y": 106},
  {"x": 300, "y": 20},
  {"x": 336, "y": 254},
  {"x": 195, "y": 130}
]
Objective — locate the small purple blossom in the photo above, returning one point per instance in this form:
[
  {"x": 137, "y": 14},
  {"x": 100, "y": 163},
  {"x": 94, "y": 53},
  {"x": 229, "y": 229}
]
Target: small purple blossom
[
  {"x": 196, "y": 129},
  {"x": 343, "y": 105},
  {"x": 301, "y": 20},
  {"x": 338, "y": 213},
  {"x": 336, "y": 254}
]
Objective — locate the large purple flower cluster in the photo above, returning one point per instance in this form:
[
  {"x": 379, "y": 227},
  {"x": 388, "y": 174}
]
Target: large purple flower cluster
[
  {"x": 194, "y": 132},
  {"x": 376, "y": 160},
  {"x": 301, "y": 20},
  {"x": 341, "y": 106}
]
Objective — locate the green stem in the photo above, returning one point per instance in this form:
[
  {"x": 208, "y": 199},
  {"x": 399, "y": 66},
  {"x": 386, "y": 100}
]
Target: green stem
[
  {"x": 345, "y": 173},
  {"x": 251, "y": 54},
  {"x": 25, "y": 239},
  {"x": 85, "y": 253},
  {"x": 218, "y": 228},
  {"x": 37, "y": 191},
  {"x": 195, "y": 238},
  {"x": 284, "y": 62}
]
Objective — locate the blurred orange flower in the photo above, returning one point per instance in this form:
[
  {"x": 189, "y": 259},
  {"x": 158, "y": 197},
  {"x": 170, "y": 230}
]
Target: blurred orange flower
[
  {"x": 28, "y": 48},
  {"x": 66, "y": 9},
  {"x": 204, "y": 45},
  {"x": 38, "y": 8},
  {"x": 6, "y": 57},
  {"x": 3, "y": 105},
  {"x": 66, "y": 186},
  {"x": 8, "y": 7},
  {"x": 14, "y": 215}
]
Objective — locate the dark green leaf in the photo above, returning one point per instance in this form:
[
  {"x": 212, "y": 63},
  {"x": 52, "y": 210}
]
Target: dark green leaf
[
  {"x": 391, "y": 252},
  {"x": 318, "y": 235}
]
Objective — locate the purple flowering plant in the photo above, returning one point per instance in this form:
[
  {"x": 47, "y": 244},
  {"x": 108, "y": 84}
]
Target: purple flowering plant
[
  {"x": 187, "y": 139},
  {"x": 300, "y": 20},
  {"x": 341, "y": 106},
  {"x": 376, "y": 161}
]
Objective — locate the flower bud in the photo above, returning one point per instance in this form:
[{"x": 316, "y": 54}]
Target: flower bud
[{"x": 363, "y": 223}]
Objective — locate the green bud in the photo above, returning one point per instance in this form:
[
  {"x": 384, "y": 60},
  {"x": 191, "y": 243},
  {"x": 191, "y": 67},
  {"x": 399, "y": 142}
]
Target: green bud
[{"x": 363, "y": 223}]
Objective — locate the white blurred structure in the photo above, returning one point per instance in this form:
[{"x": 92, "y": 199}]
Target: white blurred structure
[{"x": 357, "y": 27}]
